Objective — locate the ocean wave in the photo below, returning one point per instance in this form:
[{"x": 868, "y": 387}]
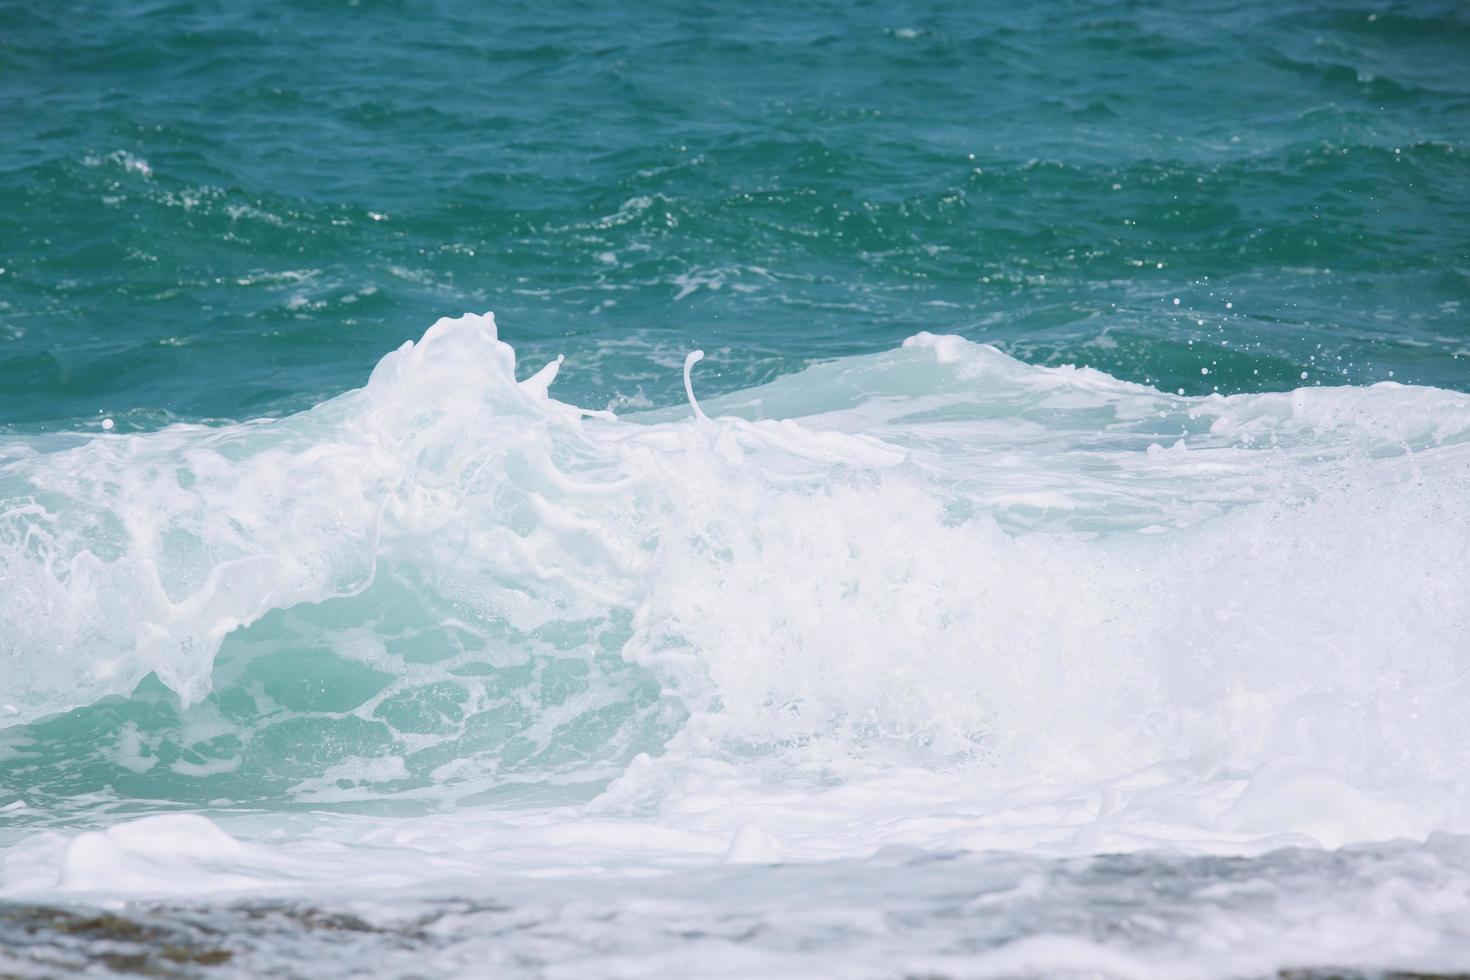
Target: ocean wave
[{"x": 448, "y": 586}]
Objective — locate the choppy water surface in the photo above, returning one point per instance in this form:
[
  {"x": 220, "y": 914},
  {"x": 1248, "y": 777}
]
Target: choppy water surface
[
  {"x": 895, "y": 914},
  {"x": 216, "y": 211},
  {"x": 1055, "y": 563}
]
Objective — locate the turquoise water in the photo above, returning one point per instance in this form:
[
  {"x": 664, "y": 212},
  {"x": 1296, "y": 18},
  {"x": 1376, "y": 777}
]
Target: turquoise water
[
  {"x": 212, "y": 211},
  {"x": 1078, "y": 466}
]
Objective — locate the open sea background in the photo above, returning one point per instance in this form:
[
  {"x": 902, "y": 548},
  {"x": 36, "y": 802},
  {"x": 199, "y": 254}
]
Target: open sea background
[
  {"x": 215, "y": 211},
  {"x": 317, "y": 658}
]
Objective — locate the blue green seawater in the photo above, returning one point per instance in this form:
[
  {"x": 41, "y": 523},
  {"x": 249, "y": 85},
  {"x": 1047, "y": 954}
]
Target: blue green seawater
[
  {"x": 220, "y": 210},
  {"x": 1056, "y": 562}
]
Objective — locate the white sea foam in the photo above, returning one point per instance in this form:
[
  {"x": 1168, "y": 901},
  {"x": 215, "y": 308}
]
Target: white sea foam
[
  {"x": 933, "y": 598},
  {"x": 941, "y": 548}
]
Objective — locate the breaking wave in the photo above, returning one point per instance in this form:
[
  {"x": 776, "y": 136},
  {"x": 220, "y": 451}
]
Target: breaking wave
[{"x": 448, "y": 587}]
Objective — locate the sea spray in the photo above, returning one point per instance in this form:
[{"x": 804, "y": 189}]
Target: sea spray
[{"x": 448, "y": 587}]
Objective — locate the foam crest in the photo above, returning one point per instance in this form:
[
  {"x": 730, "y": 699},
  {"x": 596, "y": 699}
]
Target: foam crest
[
  {"x": 937, "y": 554},
  {"x": 132, "y": 554}
]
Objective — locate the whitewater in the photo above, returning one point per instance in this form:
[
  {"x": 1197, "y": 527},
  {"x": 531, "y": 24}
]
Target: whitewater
[{"x": 928, "y": 662}]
